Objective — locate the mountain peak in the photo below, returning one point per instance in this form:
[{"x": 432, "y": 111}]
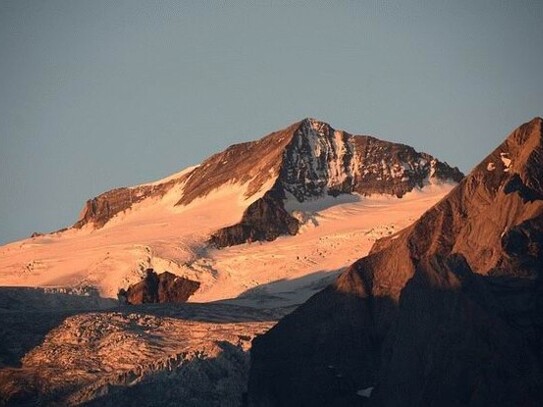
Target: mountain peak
[
  {"x": 531, "y": 131},
  {"x": 537, "y": 120},
  {"x": 516, "y": 165},
  {"x": 315, "y": 124},
  {"x": 317, "y": 161}
]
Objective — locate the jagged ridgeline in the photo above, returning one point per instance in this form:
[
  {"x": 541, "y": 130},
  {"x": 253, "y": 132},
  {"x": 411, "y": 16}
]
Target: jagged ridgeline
[
  {"x": 306, "y": 161},
  {"x": 447, "y": 312}
]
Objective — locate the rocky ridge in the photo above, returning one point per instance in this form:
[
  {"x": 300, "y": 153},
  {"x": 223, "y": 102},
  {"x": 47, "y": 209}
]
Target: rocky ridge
[
  {"x": 446, "y": 312},
  {"x": 101, "y": 209}
]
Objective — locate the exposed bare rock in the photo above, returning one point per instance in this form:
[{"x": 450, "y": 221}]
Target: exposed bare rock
[
  {"x": 264, "y": 219},
  {"x": 254, "y": 162},
  {"x": 446, "y": 312},
  {"x": 310, "y": 159},
  {"x": 320, "y": 161},
  {"x": 161, "y": 288},
  {"x": 99, "y": 210}
]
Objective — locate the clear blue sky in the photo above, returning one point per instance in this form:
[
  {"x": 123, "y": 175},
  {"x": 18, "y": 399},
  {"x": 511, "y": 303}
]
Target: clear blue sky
[{"x": 101, "y": 94}]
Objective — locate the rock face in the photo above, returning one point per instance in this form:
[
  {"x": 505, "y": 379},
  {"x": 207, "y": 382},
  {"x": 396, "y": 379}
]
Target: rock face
[
  {"x": 254, "y": 163},
  {"x": 264, "y": 219},
  {"x": 446, "y": 312},
  {"x": 320, "y": 160},
  {"x": 99, "y": 210},
  {"x": 161, "y": 288},
  {"x": 305, "y": 161},
  {"x": 310, "y": 159}
]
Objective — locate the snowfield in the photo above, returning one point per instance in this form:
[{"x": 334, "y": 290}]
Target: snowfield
[{"x": 156, "y": 233}]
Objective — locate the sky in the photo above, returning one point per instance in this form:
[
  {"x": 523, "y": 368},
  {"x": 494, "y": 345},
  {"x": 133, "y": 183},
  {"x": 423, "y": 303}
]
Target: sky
[{"x": 102, "y": 94}]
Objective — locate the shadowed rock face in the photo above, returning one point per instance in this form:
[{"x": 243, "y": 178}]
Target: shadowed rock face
[
  {"x": 265, "y": 219},
  {"x": 161, "y": 288},
  {"x": 446, "y": 312}
]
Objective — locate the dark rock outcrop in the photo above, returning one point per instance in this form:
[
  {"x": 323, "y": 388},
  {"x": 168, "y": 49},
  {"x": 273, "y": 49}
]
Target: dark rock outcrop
[
  {"x": 264, "y": 219},
  {"x": 446, "y": 312},
  {"x": 161, "y": 288}
]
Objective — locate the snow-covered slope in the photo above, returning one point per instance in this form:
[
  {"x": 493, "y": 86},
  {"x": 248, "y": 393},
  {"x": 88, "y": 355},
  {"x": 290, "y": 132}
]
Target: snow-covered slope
[
  {"x": 334, "y": 233},
  {"x": 167, "y": 225}
]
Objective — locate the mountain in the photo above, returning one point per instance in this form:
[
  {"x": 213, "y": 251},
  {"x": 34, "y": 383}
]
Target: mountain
[
  {"x": 214, "y": 234},
  {"x": 308, "y": 182},
  {"x": 446, "y": 312},
  {"x": 307, "y": 160}
]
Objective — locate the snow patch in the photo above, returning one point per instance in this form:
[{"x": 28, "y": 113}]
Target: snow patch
[
  {"x": 169, "y": 178},
  {"x": 506, "y": 161}
]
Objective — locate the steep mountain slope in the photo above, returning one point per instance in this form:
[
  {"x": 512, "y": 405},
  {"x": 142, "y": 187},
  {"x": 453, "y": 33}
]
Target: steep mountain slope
[
  {"x": 446, "y": 312},
  {"x": 291, "y": 182}
]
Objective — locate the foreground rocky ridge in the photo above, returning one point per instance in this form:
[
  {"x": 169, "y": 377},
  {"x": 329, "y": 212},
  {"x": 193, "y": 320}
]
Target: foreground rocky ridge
[
  {"x": 446, "y": 312},
  {"x": 156, "y": 354}
]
